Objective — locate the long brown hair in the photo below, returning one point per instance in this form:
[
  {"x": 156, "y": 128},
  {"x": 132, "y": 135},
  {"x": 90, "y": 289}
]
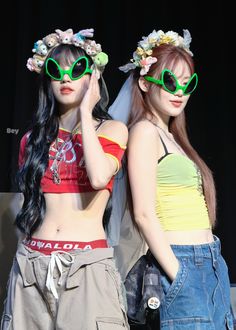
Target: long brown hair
[{"x": 168, "y": 56}]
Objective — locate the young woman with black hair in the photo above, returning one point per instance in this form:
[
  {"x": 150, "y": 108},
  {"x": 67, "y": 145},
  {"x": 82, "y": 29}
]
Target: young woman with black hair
[{"x": 64, "y": 275}]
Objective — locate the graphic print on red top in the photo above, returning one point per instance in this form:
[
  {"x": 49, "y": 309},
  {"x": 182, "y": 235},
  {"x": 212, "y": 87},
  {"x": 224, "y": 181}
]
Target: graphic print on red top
[{"x": 66, "y": 157}]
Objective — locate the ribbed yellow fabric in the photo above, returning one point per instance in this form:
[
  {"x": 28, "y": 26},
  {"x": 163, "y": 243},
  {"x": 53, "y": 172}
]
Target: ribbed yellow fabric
[{"x": 180, "y": 202}]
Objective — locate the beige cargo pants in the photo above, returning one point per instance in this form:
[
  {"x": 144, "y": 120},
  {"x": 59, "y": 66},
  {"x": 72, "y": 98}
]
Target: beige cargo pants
[{"x": 75, "y": 290}]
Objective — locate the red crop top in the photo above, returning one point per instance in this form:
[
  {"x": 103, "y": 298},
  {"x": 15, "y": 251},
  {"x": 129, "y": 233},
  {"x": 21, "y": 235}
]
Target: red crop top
[{"x": 67, "y": 155}]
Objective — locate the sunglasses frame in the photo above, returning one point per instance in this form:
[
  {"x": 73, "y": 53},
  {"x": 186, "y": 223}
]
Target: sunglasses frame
[
  {"x": 178, "y": 86},
  {"x": 69, "y": 71}
]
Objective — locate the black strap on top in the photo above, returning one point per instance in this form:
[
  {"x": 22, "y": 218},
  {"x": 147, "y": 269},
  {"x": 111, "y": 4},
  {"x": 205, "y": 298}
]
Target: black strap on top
[
  {"x": 99, "y": 124},
  {"x": 163, "y": 143},
  {"x": 164, "y": 146}
]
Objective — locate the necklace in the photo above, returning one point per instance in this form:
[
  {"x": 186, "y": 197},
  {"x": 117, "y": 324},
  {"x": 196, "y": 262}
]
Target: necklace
[
  {"x": 60, "y": 155},
  {"x": 61, "y": 151}
]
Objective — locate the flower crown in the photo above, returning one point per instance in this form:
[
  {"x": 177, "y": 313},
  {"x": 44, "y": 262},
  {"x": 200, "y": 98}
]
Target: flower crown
[
  {"x": 79, "y": 39},
  {"x": 142, "y": 56}
]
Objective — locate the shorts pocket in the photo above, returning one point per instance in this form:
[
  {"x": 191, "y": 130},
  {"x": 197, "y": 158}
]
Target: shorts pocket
[
  {"x": 6, "y": 322},
  {"x": 117, "y": 286},
  {"x": 171, "y": 289},
  {"x": 108, "y": 323}
]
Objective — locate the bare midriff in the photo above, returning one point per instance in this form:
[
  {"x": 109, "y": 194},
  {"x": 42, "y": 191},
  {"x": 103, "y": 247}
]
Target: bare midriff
[
  {"x": 189, "y": 237},
  {"x": 73, "y": 216}
]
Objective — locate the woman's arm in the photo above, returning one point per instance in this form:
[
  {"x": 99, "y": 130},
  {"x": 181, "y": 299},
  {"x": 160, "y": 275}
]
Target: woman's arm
[
  {"x": 100, "y": 167},
  {"x": 142, "y": 168}
]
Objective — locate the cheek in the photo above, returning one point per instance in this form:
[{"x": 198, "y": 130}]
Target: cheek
[
  {"x": 55, "y": 87},
  {"x": 186, "y": 100},
  {"x": 80, "y": 89},
  {"x": 164, "y": 96},
  {"x": 154, "y": 96},
  {"x": 82, "y": 84}
]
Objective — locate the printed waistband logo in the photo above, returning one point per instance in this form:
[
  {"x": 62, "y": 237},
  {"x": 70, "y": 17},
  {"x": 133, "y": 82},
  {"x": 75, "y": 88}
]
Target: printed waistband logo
[{"x": 58, "y": 245}]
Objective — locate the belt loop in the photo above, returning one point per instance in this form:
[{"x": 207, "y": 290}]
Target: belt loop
[
  {"x": 214, "y": 253},
  {"x": 217, "y": 244},
  {"x": 198, "y": 255}
]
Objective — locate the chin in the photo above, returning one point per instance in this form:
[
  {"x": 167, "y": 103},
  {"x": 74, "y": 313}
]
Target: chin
[{"x": 176, "y": 112}]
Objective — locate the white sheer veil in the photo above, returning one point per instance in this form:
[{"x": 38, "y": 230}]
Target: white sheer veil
[
  {"x": 121, "y": 233},
  {"x": 120, "y": 108}
]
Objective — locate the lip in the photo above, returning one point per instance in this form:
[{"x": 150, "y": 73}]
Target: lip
[
  {"x": 176, "y": 104},
  {"x": 66, "y": 90}
]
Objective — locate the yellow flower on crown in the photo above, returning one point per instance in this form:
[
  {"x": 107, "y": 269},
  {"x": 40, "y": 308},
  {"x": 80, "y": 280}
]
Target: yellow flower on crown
[
  {"x": 152, "y": 41},
  {"x": 149, "y": 52},
  {"x": 164, "y": 39},
  {"x": 140, "y": 51}
]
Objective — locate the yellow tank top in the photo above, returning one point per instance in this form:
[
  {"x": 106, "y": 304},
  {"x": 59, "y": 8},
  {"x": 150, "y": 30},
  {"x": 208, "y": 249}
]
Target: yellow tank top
[{"x": 180, "y": 203}]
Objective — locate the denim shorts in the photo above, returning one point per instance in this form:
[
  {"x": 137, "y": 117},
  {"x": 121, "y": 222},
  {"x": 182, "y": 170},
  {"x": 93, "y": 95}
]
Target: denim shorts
[{"x": 199, "y": 296}]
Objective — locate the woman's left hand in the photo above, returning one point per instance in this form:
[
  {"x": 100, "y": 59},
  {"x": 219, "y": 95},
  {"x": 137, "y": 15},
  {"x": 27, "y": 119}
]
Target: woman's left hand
[{"x": 92, "y": 95}]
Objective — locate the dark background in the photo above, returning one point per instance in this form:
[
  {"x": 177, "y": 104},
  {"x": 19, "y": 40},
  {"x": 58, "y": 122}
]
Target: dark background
[{"x": 119, "y": 25}]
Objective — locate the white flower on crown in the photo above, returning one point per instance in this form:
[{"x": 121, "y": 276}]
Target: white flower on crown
[{"x": 145, "y": 44}]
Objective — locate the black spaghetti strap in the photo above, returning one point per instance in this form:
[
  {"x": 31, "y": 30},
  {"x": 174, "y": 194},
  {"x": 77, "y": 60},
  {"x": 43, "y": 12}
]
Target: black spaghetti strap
[
  {"x": 164, "y": 146},
  {"x": 99, "y": 125},
  {"x": 163, "y": 143}
]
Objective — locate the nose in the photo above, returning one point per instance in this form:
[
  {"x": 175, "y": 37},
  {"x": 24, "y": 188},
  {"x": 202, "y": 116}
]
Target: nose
[
  {"x": 65, "y": 78},
  {"x": 179, "y": 92}
]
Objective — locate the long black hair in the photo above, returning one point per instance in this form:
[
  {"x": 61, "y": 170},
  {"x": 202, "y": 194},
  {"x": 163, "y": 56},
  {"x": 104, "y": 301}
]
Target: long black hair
[{"x": 44, "y": 130}]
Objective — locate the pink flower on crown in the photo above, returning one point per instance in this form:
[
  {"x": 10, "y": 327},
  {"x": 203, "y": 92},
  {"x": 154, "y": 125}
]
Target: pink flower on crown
[{"x": 145, "y": 63}]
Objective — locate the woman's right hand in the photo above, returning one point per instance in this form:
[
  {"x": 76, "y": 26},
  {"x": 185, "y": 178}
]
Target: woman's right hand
[{"x": 91, "y": 96}]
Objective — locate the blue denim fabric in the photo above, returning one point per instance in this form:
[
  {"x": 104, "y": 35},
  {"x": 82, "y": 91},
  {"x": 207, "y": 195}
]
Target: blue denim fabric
[{"x": 199, "y": 296}]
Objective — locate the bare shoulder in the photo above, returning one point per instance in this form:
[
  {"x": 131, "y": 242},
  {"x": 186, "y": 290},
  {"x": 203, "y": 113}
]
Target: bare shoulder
[
  {"x": 143, "y": 143},
  {"x": 143, "y": 129},
  {"x": 115, "y": 130}
]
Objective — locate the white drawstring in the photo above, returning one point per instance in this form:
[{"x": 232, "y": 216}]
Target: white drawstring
[{"x": 57, "y": 259}]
